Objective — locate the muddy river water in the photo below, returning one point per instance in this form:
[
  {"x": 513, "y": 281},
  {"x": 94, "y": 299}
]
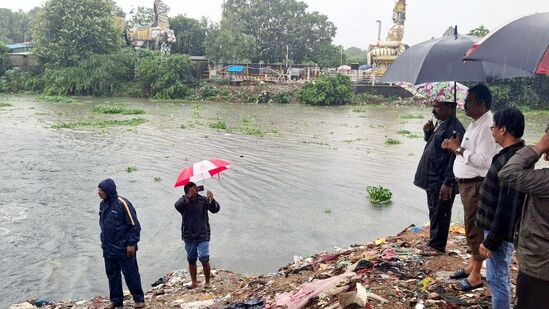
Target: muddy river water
[{"x": 297, "y": 185}]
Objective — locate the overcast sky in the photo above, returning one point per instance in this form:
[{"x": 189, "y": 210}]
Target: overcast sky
[{"x": 356, "y": 19}]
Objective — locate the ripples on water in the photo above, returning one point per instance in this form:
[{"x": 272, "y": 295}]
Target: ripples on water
[{"x": 274, "y": 200}]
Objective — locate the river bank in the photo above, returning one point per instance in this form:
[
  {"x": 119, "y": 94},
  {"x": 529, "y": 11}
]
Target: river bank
[{"x": 386, "y": 273}]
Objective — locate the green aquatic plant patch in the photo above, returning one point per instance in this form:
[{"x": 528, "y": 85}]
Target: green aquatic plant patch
[
  {"x": 100, "y": 123},
  {"x": 379, "y": 194},
  {"x": 54, "y": 99},
  {"x": 409, "y": 134},
  {"x": 131, "y": 169},
  {"x": 411, "y": 116},
  {"x": 117, "y": 109},
  {"x": 4, "y": 104},
  {"x": 392, "y": 141},
  {"x": 218, "y": 124}
]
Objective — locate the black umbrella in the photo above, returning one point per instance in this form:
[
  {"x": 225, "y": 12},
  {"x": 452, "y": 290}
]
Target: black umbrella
[
  {"x": 522, "y": 43},
  {"x": 441, "y": 59}
]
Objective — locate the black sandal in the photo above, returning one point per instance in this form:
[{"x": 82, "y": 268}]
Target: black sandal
[{"x": 459, "y": 274}]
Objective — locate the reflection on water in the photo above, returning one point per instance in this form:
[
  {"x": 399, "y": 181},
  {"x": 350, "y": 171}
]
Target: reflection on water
[{"x": 290, "y": 164}]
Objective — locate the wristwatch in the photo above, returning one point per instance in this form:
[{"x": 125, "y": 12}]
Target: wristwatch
[{"x": 459, "y": 150}]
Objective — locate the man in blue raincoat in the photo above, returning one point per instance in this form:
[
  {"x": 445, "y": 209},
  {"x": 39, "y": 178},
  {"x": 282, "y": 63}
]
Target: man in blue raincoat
[{"x": 119, "y": 237}]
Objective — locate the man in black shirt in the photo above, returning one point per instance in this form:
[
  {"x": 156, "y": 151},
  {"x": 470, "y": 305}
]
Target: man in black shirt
[
  {"x": 435, "y": 174},
  {"x": 195, "y": 229}
]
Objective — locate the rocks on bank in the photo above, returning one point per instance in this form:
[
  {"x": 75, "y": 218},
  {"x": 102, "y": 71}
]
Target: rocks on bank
[{"x": 386, "y": 273}]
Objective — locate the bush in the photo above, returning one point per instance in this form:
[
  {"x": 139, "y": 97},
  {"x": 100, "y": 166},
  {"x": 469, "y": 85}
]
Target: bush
[
  {"x": 379, "y": 195},
  {"x": 283, "y": 97},
  {"x": 208, "y": 91},
  {"x": 166, "y": 77},
  {"x": 327, "y": 90},
  {"x": 98, "y": 75},
  {"x": 367, "y": 98},
  {"x": 15, "y": 79}
]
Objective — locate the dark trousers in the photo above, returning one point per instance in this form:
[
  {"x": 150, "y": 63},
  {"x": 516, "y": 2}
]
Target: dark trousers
[
  {"x": 128, "y": 266},
  {"x": 440, "y": 215},
  {"x": 532, "y": 293}
]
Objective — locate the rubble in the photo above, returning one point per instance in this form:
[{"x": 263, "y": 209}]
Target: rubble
[{"x": 386, "y": 273}]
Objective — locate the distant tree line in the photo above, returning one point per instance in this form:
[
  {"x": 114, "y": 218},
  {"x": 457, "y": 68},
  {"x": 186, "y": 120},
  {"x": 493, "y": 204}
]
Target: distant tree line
[{"x": 82, "y": 49}]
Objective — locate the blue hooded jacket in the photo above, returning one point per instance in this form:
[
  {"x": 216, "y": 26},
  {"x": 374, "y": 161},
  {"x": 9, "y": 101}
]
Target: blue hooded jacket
[{"x": 118, "y": 221}]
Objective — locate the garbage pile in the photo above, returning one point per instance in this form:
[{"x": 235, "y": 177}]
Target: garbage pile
[{"x": 387, "y": 273}]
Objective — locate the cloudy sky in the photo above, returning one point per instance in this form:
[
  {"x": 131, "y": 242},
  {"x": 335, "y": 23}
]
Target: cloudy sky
[{"x": 356, "y": 19}]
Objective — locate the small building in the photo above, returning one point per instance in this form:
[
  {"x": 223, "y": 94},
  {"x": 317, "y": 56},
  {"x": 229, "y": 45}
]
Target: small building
[{"x": 20, "y": 47}]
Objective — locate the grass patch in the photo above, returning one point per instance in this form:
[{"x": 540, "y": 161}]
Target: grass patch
[
  {"x": 54, "y": 99},
  {"x": 157, "y": 179},
  {"x": 100, "y": 123},
  {"x": 131, "y": 169},
  {"x": 4, "y": 104},
  {"x": 404, "y": 132},
  {"x": 379, "y": 195},
  {"x": 117, "y": 109},
  {"x": 327, "y": 211},
  {"x": 218, "y": 124},
  {"x": 392, "y": 141},
  {"x": 411, "y": 116}
]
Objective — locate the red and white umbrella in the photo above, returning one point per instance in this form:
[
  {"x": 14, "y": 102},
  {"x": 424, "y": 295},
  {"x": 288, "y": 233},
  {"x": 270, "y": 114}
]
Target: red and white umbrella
[{"x": 201, "y": 170}]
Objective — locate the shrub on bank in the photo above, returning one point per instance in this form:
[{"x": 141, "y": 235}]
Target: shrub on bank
[
  {"x": 166, "y": 77},
  {"x": 327, "y": 90},
  {"x": 283, "y": 97},
  {"x": 15, "y": 80}
]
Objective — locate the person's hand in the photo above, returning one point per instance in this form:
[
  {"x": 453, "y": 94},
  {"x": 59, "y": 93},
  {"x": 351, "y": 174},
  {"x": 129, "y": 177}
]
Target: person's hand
[
  {"x": 210, "y": 196},
  {"x": 451, "y": 144},
  {"x": 130, "y": 251},
  {"x": 543, "y": 145},
  {"x": 485, "y": 252},
  {"x": 429, "y": 126},
  {"x": 445, "y": 193}
]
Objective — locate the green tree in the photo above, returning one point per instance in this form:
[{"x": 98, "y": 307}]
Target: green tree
[
  {"x": 16, "y": 26},
  {"x": 225, "y": 42},
  {"x": 282, "y": 28},
  {"x": 356, "y": 55},
  {"x": 479, "y": 31},
  {"x": 141, "y": 17},
  {"x": 68, "y": 31},
  {"x": 191, "y": 35},
  {"x": 4, "y": 60},
  {"x": 331, "y": 56}
]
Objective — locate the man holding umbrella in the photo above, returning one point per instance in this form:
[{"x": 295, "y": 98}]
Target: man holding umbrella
[
  {"x": 435, "y": 173},
  {"x": 195, "y": 229}
]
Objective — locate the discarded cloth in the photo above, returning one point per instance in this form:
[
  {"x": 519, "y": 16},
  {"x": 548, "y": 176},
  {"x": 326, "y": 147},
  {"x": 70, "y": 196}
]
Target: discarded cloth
[{"x": 310, "y": 290}]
